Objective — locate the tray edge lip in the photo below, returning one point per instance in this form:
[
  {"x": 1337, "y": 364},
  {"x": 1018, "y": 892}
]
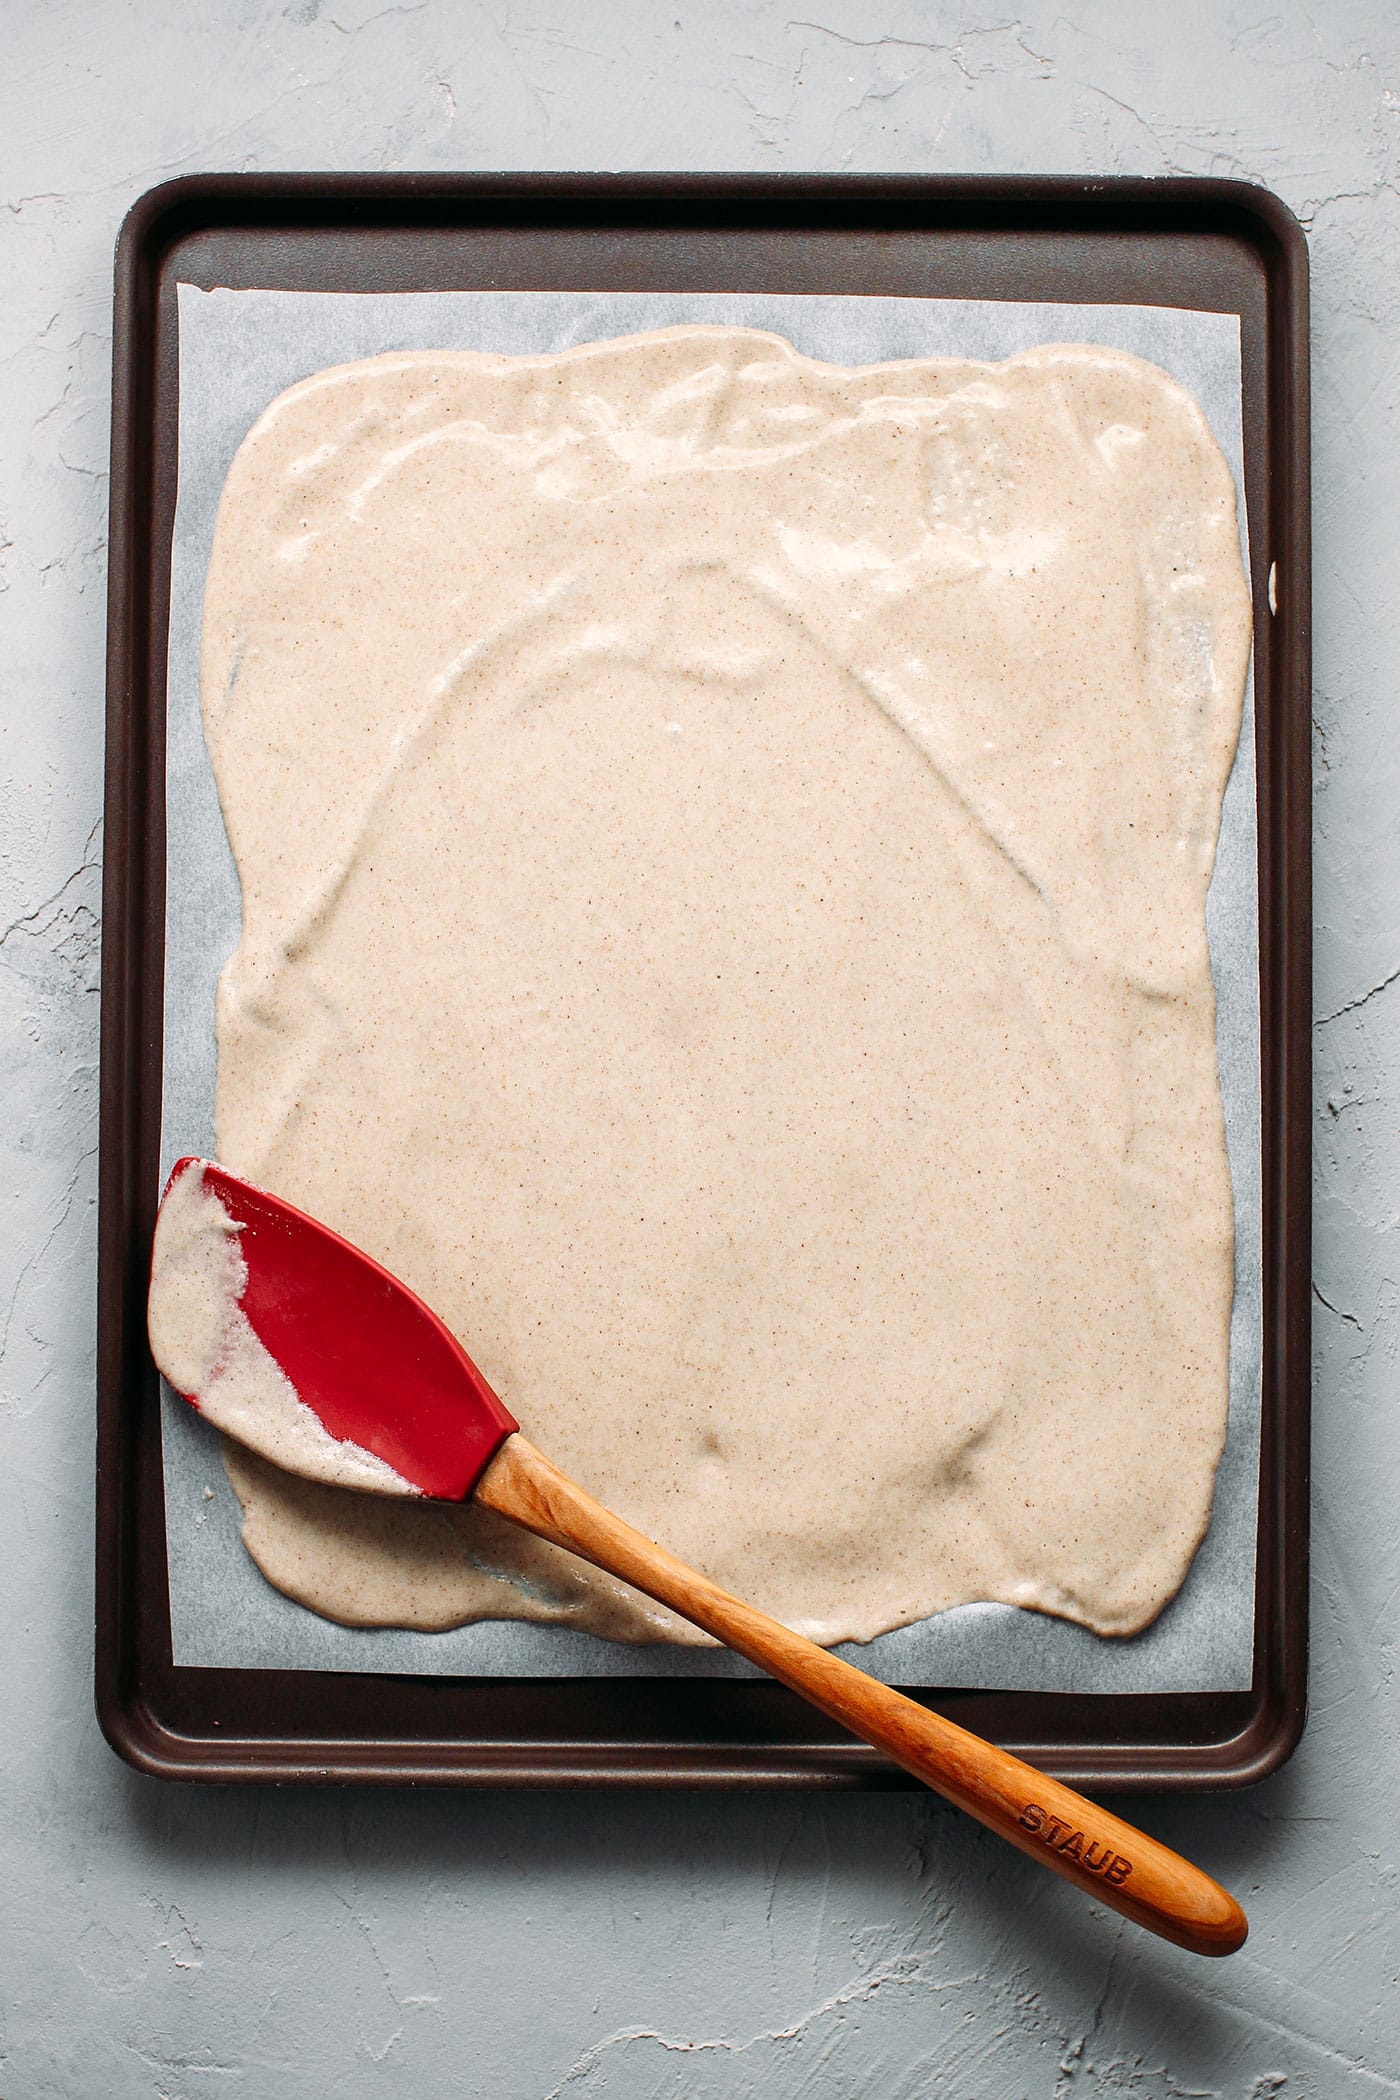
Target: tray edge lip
[
  {"x": 158, "y": 1752},
  {"x": 214, "y": 187}
]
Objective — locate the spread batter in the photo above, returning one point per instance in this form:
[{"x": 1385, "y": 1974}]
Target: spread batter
[{"x": 724, "y": 842}]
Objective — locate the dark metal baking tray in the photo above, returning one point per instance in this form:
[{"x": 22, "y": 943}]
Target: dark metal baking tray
[{"x": 1205, "y": 244}]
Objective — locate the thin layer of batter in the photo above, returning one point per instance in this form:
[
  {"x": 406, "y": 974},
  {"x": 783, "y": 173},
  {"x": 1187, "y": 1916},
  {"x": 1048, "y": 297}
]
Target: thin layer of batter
[{"x": 724, "y": 843}]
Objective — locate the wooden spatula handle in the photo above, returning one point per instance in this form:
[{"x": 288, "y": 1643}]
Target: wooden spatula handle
[{"x": 1107, "y": 1858}]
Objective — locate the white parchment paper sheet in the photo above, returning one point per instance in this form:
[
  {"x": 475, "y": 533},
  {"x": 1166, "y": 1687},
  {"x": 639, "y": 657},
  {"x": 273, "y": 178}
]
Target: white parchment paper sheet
[{"x": 238, "y": 350}]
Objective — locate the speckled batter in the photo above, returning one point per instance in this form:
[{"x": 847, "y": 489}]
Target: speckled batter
[{"x": 724, "y": 843}]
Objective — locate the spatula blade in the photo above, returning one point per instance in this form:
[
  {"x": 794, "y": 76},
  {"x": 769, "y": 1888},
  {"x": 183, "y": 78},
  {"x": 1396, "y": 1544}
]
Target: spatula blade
[{"x": 363, "y": 1352}]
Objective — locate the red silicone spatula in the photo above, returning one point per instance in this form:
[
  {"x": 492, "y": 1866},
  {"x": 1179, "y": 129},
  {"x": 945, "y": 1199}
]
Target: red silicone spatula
[{"x": 381, "y": 1371}]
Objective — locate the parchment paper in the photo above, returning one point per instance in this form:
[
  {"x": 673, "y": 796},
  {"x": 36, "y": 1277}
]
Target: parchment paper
[{"x": 238, "y": 349}]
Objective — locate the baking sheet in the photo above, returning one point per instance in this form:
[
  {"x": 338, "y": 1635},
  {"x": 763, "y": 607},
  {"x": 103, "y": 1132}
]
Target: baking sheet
[{"x": 238, "y": 349}]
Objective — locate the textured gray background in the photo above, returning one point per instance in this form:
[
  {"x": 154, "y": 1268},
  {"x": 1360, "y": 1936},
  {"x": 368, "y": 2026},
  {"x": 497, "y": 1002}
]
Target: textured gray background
[{"x": 175, "y": 1944}]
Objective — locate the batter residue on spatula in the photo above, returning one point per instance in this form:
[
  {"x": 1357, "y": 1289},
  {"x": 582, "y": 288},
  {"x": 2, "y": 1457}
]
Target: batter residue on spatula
[{"x": 724, "y": 843}]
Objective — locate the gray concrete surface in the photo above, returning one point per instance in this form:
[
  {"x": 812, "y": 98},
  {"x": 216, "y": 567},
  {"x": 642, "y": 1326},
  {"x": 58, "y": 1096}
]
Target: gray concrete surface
[{"x": 170, "y": 1945}]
